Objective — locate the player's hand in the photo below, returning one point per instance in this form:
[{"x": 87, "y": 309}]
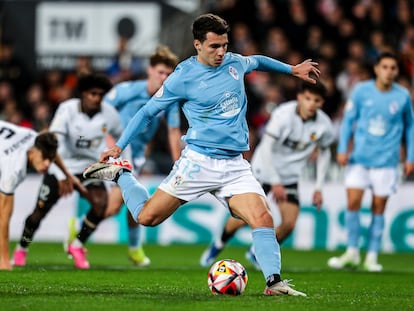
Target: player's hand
[
  {"x": 317, "y": 199},
  {"x": 279, "y": 193},
  {"x": 408, "y": 168},
  {"x": 114, "y": 152},
  {"x": 342, "y": 159},
  {"x": 304, "y": 69},
  {"x": 65, "y": 187}
]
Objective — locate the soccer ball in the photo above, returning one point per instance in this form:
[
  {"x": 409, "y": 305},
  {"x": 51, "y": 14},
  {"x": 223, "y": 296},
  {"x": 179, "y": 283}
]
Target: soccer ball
[{"x": 227, "y": 277}]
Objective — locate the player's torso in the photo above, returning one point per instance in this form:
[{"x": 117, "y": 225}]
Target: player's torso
[
  {"x": 299, "y": 138},
  {"x": 380, "y": 111},
  {"x": 84, "y": 136},
  {"x": 215, "y": 92},
  {"x": 14, "y": 144},
  {"x": 215, "y": 107}
]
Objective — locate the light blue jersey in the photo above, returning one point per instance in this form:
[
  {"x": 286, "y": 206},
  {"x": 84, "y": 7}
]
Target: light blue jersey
[
  {"x": 377, "y": 121},
  {"x": 213, "y": 100},
  {"x": 129, "y": 97}
]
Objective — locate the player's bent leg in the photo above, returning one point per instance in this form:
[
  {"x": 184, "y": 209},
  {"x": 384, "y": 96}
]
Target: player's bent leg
[
  {"x": 134, "y": 193},
  {"x": 289, "y": 213},
  {"x": 158, "y": 208},
  {"x": 115, "y": 201}
]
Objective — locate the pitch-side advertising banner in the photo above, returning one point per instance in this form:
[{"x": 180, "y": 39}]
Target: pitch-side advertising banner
[{"x": 202, "y": 220}]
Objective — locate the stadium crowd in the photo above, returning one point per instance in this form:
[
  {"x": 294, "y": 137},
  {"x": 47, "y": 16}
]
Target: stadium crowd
[{"x": 344, "y": 37}]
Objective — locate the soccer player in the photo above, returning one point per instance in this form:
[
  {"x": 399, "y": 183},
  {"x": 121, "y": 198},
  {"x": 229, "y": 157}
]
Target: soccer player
[
  {"x": 128, "y": 97},
  {"x": 81, "y": 125},
  {"x": 210, "y": 90},
  {"x": 293, "y": 132},
  {"x": 22, "y": 148},
  {"x": 378, "y": 115}
]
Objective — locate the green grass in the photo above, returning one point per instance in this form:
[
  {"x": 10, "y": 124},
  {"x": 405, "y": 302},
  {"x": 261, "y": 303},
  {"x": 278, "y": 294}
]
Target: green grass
[{"x": 175, "y": 281}]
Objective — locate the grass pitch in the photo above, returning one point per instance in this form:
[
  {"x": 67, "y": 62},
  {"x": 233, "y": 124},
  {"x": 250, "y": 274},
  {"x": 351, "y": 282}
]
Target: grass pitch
[{"x": 175, "y": 281}]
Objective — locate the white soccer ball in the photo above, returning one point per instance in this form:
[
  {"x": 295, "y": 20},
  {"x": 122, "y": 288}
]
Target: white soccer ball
[{"x": 227, "y": 277}]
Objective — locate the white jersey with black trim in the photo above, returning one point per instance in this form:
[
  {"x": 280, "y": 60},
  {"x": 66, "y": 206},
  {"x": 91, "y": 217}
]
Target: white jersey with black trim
[
  {"x": 83, "y": 138},
  {"x": 15, "y": 141},
  {"x": 287, "y": 144}
]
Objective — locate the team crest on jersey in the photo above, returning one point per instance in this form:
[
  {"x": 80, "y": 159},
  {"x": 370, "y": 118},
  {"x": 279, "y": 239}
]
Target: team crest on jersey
[
  {"x": 104, "y": 128},
  {"x": 160, "y": 92},
  {"x": 233, "y": 72},
  {"x": 312, "y": 136},
  {"x": 393, "y": 108}
]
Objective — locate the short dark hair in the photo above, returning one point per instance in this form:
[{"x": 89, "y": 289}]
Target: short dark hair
[
  {"x": 385, "y": 55},
  {"x": 47, "y": 143},
  {"x": 163, "y": 55},
  {"x": 314, "y": 88},
  {"x": 209, "y": 23},
  {"x": 93, "y": 80}
]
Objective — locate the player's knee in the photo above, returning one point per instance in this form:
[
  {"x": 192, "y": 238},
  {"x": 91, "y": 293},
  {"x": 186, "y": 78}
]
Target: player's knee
[
  {"x": 149, "y": 220},
  {"x": 263, "y": 219}
]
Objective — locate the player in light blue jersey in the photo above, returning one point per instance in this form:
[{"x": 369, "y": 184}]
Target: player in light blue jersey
[
  {"x": 129, "y": 97},
  {"x": 378, "y": 116},
  {"x": 210, "y": 90},
  {"x": 291, "y": 135}
]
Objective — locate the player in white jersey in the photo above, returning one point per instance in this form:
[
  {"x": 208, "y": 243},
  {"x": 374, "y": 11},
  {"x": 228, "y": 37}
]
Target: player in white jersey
[
  {"x": 81, "y": 125},
  {"x": 128, "y": 97},
  {"x": 21, "y": 148},
  {"x": 210, "y": 90},
  {"x": 293, "y": 132},
  {"x": 378, "y": 115}
]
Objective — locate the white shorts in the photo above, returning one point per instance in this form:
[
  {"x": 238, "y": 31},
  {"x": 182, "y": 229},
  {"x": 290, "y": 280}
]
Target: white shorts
[
  {"x": 382, "y": 181},
  {"x": 195, "y": 174}
]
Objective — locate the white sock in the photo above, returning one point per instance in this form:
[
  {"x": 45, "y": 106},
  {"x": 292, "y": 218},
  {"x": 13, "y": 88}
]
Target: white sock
[
  {"x": 76, "y": 243},
  {"x": 353, "y": 252},
  {"x": 371, "y": 257}
]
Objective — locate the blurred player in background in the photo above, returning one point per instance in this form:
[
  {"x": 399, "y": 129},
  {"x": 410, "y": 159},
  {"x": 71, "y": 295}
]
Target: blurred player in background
[
  {"x": 129, "y": 97},
  {"x": 210, "y": 88},
  {"x": 81, "y": 125},
  {"x": 293, "y": 132},
  {"x": 22, "y": 148},
  {"x": 378, "y": 115}
]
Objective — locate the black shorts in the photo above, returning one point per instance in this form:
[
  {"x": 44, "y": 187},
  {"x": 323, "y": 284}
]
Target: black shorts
[{"x": 291, "y": 191}]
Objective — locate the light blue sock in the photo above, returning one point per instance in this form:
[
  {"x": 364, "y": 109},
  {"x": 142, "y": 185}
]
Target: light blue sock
[
  {"x": 133, "y": 237},
  {"x": 267, "y": 251},
  {"x": 135, "y": 195},
  {"x": 375, "y": 231},
  {"x": 353, "y": 228}
]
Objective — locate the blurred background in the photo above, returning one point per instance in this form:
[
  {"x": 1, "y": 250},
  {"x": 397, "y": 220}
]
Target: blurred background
[{"x": 45, "y": 45}]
